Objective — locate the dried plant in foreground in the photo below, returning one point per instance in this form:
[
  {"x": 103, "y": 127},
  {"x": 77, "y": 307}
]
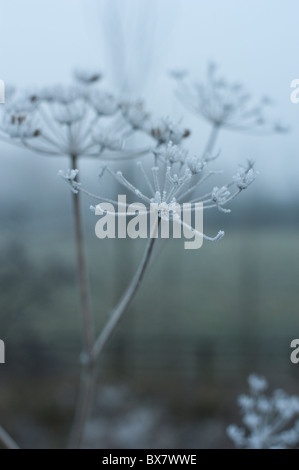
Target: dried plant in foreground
[
  {"x": 269, "y": 420},
  {"x": 174, "y": 178},
  {"x": 77, "y": 121},
  {"x": 225, "y": 105}
]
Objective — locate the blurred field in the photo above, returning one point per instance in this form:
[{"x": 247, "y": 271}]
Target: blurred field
[
  {"x": 244, "y": 285},
  {"x": 200, "y": 323}
]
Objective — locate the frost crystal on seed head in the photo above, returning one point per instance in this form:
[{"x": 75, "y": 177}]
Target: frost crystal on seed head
[
  {"x": 268, "y": 420},
  {"x": 226, "y": 104},
  {"x": 245, "y": 178},
  {"x": 257, "y": 384},
  {"x": 166, "y": 131},
  {"x": 20, "y": 126},
  {"x": 135, "y": 114},
  {"x": 220, "y": 196},
  {"x": 23, "y": 105},
  {"x": 104, "y": 103},
  {"x": 60, "y": 94},
  {"x": 172, "y": 153},
  {"x": 70, "y": 177},
  {"x": 196, "y": 165},
  {"x": 69, "y": 115},
  {"x": 76, "y": 121},
  {"x": 170, "y": 183},
  {"x": 108, "y": 140}
]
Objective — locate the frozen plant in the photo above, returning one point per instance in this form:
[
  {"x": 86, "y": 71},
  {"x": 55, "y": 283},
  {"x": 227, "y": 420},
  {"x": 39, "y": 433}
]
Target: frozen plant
[
  {"x": 225, "y": 105},
  {"x": 83, "y": 121},
  {"x": 174, "y": 178},
  {"x": 269, "y": 420},
  {"x": 78, "y": 121}
]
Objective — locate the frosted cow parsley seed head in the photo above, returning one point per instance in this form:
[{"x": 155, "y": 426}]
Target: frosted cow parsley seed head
[
  {"x": 68, "y": 115},
  {"x": 226, "y": 104},
  {"x": 135, "y": 114},
  {"x": 20, "y": 126},
  {"x": 245, "y": 177},
  {"x": 64, "y": 95},
  {"x": 104, "y": 103},
  {"x": 220, "y": 196},
  {"x": 170, "y": 183},
  {"x": 196, "y": 165},
  {"x": 74, "y": 121},
  {"x": 269, "y": 420},
  {"x": 22, "y": 106},
  {"x": 107, "y": 140},
  {"x": 257, "y": 384},
  {"x": 166, "y": 132},
  {"x": 70, "y": 176},
  {"x": 172, "y": 153}
]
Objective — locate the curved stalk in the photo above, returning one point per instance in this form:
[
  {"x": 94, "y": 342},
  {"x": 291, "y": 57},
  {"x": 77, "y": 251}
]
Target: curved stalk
[
  {"x": 212, "y": 139},
  {"x": 126, "y": 300},
  {"x": 94, "y": 352},
  {"x": 87, "y": 374},
  {"x": 6, "y": 441}
]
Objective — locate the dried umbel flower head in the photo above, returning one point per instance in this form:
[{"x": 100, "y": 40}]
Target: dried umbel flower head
[
  {"x": 225, "y": 104},
  {"x": 166, "y": 131},
  {"x": 77, "y": 121},
  {"x": 174, "y": 179},
  {"x": 269, "y": 420},
  {"x": 20, "y": 125},
  {"x": 135, "y": 114}
]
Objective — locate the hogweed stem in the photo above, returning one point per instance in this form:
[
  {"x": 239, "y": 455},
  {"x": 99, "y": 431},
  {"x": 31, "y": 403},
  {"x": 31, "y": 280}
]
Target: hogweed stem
[
  {"x": 6, "y": 441},
  {"x": 126, "y": 300},
  {"x": 87, "y": 374}
]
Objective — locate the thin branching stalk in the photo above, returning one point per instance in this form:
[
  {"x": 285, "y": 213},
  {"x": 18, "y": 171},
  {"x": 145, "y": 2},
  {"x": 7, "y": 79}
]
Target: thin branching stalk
[
  {"x": 88, "y": 368},
  {"x": 87, "y": 359},
  {"x": 126, "y": 300},
  {"x": 6, "y": 441},
  {"x": 212, "y": 139}
]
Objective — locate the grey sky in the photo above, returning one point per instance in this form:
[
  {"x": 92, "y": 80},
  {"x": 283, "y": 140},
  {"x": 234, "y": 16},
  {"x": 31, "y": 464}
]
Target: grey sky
[{"x": 252, "y": 41}]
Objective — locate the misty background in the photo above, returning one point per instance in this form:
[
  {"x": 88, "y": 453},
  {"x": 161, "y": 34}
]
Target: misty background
[{"x": 202, "y": 321}]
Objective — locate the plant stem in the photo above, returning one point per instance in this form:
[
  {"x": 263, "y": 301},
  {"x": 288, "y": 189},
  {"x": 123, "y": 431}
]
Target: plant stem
[
  {"x": 87, "y": 374},
  {"x": 212, "y": 139},
  {"x": 6, "y": 441},
  {"x": 127, "y": 298}
]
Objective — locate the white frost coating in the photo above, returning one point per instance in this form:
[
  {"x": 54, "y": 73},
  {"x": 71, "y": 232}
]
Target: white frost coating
[
  {"x": 225, "y": 104},
  {"x": 269, "y": 420},
  {"x": 170, "y": 185},
  {"x": 79, "y": 120}
]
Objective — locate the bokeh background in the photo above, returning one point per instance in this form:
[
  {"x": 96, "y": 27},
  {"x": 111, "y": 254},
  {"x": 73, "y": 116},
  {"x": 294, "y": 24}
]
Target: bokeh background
[{"x": 202, "y": 320}]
